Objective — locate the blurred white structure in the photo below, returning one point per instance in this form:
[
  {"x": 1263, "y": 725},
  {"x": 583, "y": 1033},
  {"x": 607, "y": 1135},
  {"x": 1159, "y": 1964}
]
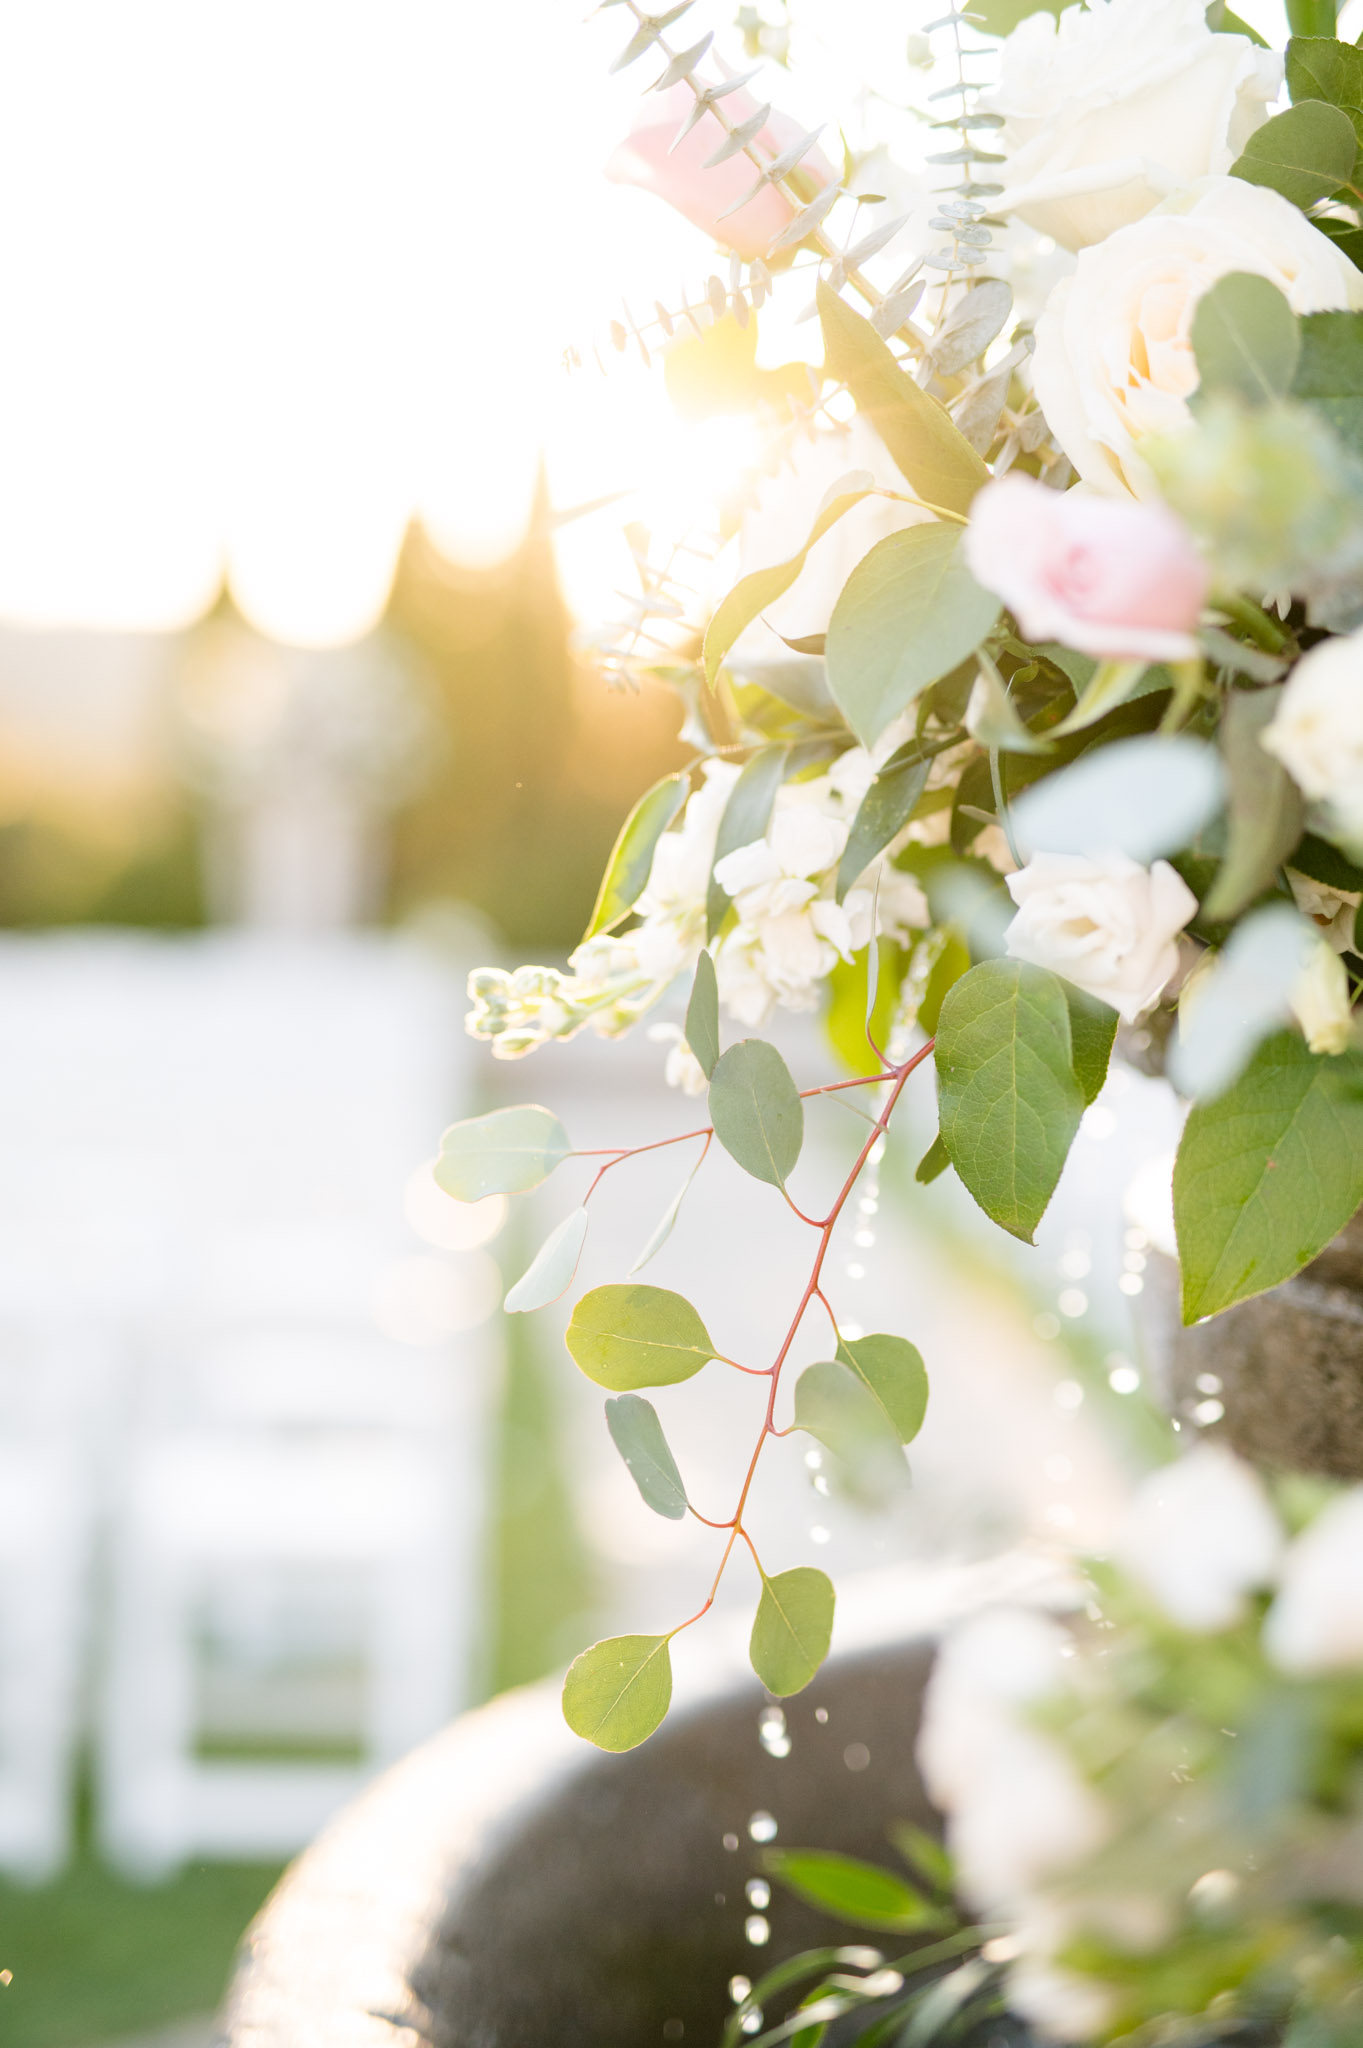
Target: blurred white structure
[{"x": 246, "y": 1344}]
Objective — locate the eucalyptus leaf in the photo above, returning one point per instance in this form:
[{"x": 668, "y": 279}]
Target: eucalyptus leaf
[
  {"x": 799, "y": 682},
  {"x": 1246, "y": 340},
  {"x": 638, "y": 1436},
  {"x": 666, "y": 1223},
  {"x": 883, "y": 813},
  {"x": 834, "y": 1404},
  {"x": 1267, "y": 1174},
  {"x": 1144, "y": 797},
  {"x": 793, "y": 1629},
  {"x": 503, "y": 1153},
  {"x": 702, "y": 1016},
  {"x": 1242, "y": 995},
  {"x": 1266, "y": 814},
  {"x": 745, "y": 819},
  {"x": 631, "y": 858},
  {"x": 630, "y": 1336},
  {"x": 893, "y": 1374},
  {"x": 1323, "y": 68},
  {"x": 978, "y": 317},
  {"x": 1111, "y": 683},
  {"x": 992, "y": 720},
  {"x": 850, "y": 1889},
  {"x": 933, "y": 1164},
  {"x": 908, "y": 614},
  {"x": 550, "y": 1272},
  {"x": 756, "y": 1110},
  {"x": 1306, "y": 153},
  {"x": 617, "y": 1692},
  {"x": 1008, "y": 1101},
  {"x": 938, "y": 461},
  {"x": 750, "y": 597}
]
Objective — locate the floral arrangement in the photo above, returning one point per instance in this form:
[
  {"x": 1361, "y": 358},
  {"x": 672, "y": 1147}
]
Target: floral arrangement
[
  {"x": 1078, "y": 743},
  {"x": 1155, "y": 1805}
]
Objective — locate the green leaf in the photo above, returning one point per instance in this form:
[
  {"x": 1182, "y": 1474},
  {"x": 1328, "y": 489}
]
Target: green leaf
[
  {"x": 1312, "y": 17},
  {"x": 702, "y": 1016},
  {"x": 934, "y": 1162},
  {"x": 1267, "y": 1173},
  {"x": 1306, "y": 153},
  {"x": 750, "y": 597},
  {"x": 746, "y": 817},
  {"x": 638, "y": 1436},
  {"x": 893, "y": 1374},
  {"x": 834, "y": 1404},
  {"x": 849, "y": 987},
  {"x": 625, "y": 1337},
  {"x": 1266, "y": 811},
  {"x": 1001, "y": 17},
  {"x": 756, "y": 1110},
  {"x": 1246, "y": 340},
  {"x": 1008, "y": 1101},
  {"x": 1330, "y": 375},
  {"x": 503, "y": 1153},
  {"x": 851, "y": 1890},
  {"x": 883, "y": 812},
  {"x": 938, "y": 461},
  {"x": 1322, "y": 68},
  {"x": 1111, "y": 683},
  {"x": 1221, "y": 21},
  {"x": 991, "y": 717},
  {"x": 617, "y": 1692},
  {"x": 550, "y": 1272},
  {"x": 793, "y": 1629},
  {"x": 666, "y": 1223},
  {"x": 1093, "y": 1027},
  {"x": 627, "y": 870},
  {"x": 908, "y": 614}
]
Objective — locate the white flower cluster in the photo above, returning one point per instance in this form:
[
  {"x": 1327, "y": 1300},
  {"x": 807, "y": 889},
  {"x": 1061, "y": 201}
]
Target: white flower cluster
[
  {"x": 790, "y": 930},
  {"x": 1201, "y": 1539}
]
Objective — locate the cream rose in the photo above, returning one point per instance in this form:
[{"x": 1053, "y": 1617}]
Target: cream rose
[
  {"x": 1108, "y": 925},
  {"x": 1114, "y": 358},
  {"x": 1317, "y": 731},
  {"x": 1113, "y": 107}
]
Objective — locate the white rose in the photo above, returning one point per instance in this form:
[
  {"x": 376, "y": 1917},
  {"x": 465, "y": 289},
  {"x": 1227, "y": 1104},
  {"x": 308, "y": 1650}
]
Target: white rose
[
  {"x": 1317, "y": 730},
  {"x": 1108, "y": 925},
  {"x": 1199, "y": 1535},
  {"x": 1016, "y": 1807},
  {"x": 1316, "y": 1622},
  {"x": 1113, "y": 107},
  {"x": 1114, "y": 359}
]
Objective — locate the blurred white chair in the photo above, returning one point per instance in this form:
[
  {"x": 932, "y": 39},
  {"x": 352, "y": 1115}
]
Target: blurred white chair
[
  {"x": 44, "y": 1526},
  {"x": 240, "y": 1538}
]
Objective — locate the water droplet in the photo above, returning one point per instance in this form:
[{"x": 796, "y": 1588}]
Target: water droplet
[
  {"x": 856, "y": 1756},
  {"x": 818, "y": 1534},
  {"x": 731, "y": 1843},
  {"x": 1124, "y": 1379},
  {"x": 759, "y": 1893},
  {"x": 739, "y": 1987},
  {"x": 855, "y": 1270},
  {"x": 772, "y": 1732},
  {"x": 865, "y": 1238},
  {"x": 1135, "y": 1262},
  {"x": 1069, "y": 1394},
  {"x": 821, "y": 1716},
  {"x": 1072, "y": 1301},
  {"x": 851, "y": 1331},
  {"x": 813, "y": 1460},
  {"x": 751, "y": 2023},
  {"x": 868, "y": 1205},
  {"x": 761, "y": 1827},
  {"x": 1131, "y": 1283},
  {"x": 1208, "y": 1383},
  {"x": 876, "y": 1153},
  {"x": 1207, "y": 1412},
  {"x": 757, "y": 1928},
  {"x": 1135, "y": 1240},
  {"x": 1075, "y": 1265}
]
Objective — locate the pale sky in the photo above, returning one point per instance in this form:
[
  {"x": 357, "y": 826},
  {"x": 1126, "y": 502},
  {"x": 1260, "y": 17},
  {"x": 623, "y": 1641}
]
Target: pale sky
[{"x": 276, "y": 275}]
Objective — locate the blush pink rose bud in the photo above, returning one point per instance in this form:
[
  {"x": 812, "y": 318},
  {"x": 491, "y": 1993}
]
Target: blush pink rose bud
[
  {"x": 679, "y": 175},
  {"x": 1122, "y": 582}
]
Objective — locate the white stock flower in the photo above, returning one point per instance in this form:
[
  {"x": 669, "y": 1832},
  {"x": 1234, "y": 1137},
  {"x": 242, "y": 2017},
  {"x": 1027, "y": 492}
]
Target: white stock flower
[
  {"x": 1198, "y": 1536},
  {"x": 1320, "y": 1001},
  {"x": 1114, "y": 360},
  {"x": 681, "y": 1069},
  {"x": 1111, "y": 108},
  {"x": 775, "y": 875},
  {"x": 680, "y": 873},
  {"x": 1316, "y": 1622},
  {"x": 1317, "y": 731},
  {"x": 1016, "y": 1807},
  {"x": 1107, "y": 924}
]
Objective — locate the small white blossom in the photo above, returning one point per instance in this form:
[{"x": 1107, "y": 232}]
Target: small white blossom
[
  {"x": 1107, "y": 924},
  {"x": 1316, "y": 1622},
  {"x": 681, "y": 1069},
  {"x": 1317, "y": 731},
  {"x": 1199, "y": 1536}
]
